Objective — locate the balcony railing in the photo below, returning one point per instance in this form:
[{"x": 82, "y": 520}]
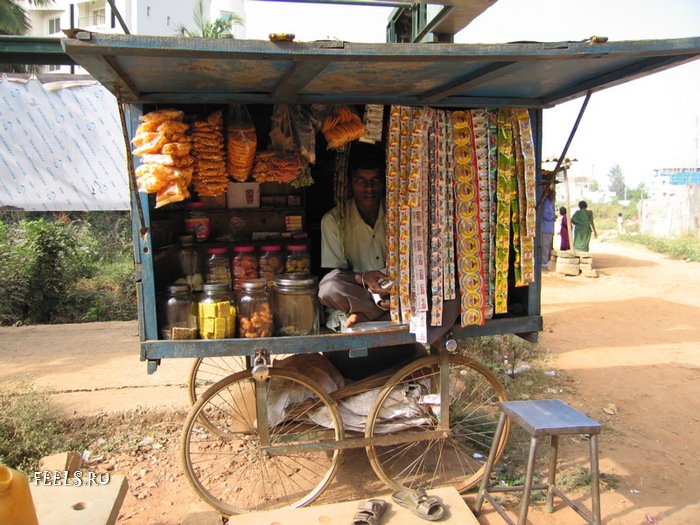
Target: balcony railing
[{"x": 91, "y": 21}]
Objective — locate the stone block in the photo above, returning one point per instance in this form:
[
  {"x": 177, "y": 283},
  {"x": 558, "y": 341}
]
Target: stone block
[
  {"x": 63, "y": 461},
  {"x": 590, "y": 273}
]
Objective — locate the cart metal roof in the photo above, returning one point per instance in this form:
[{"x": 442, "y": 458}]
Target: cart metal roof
[{"x": 174, "y": 70}]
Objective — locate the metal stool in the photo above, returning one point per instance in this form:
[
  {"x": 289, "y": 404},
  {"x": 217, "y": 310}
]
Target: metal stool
[{"x": 547, "y": 417}]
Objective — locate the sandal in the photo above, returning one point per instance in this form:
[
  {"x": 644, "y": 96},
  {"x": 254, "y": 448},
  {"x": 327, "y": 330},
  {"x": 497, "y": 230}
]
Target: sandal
[
  {"x": 369, "y": 512},
  {"x": 417, "y": 501}
]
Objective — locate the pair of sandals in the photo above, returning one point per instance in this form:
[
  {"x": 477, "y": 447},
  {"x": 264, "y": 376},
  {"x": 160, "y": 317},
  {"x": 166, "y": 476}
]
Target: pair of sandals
[{"x": 417, "y": 501}]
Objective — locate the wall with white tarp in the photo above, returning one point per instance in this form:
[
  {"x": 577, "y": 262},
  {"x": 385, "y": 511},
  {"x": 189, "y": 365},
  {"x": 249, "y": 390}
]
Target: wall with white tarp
[{"x": 61, "y": 147}]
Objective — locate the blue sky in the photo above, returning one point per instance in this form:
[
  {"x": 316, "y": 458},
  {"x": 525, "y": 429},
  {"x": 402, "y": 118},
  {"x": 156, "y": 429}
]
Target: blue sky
[{"x": 643, "y": 125}]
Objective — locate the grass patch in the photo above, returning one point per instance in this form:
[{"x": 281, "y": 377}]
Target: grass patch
[
  {"x": 578, "y": 479},
  {"x": 31, "y": 427},
  {"x": 683, "y": 248}
]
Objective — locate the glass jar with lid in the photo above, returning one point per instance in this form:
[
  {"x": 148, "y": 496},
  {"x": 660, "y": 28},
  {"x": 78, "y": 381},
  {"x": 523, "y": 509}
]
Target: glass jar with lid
[
  {"x": 197, "y": 220},
  {"x": 217, "y": 312},
  {"x": 296, "y": 304},
  {"x": 189, "y": 259},
  {"x": 218, "y": 266},
  {"x": 271, "y": 262},
  {"x": 179, "y": 313},
  {"x": 245, "y": 265},
  {"x": 254, "y": 311},
  {"x": 298, "y": 259}
]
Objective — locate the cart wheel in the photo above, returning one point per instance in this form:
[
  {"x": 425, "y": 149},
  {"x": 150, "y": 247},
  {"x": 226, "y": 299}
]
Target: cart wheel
[
  {"x": 238, "y": 466},
  {"x": 411, "y": 400},
  {"x": 208, "y": 370}
]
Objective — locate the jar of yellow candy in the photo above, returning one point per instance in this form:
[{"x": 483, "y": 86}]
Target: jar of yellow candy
[{"x": 217, "y": 312}]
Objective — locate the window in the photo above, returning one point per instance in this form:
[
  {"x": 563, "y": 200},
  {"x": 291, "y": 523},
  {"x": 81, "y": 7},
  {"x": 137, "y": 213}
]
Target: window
[
  {"x": 226, "y": 16},
  {"x": 98, "y": 17},
  {"x": 54, "y": 25}
]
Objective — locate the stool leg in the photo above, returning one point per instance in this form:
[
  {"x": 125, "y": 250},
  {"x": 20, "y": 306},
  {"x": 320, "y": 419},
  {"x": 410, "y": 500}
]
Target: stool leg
[
  {"x": 483, "y": 486},
  {"x": 551, "y": 480},
  {"x": 527, "y": 488},
  {"x": 595, "y": 479}
]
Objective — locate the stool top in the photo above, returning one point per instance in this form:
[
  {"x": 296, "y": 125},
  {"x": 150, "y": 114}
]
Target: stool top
[{"x": 548, "y": 417}]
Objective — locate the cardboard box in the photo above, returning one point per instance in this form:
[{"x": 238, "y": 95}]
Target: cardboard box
[{"x": 243, "y": 195}]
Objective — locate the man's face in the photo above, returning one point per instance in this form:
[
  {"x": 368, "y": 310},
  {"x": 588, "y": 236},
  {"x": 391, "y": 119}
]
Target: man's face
[{"x": 367, "y": 187}]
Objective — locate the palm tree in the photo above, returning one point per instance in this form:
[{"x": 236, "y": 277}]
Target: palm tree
[
  {"x": 219, "y": 28},
  {"x": 14, "y": 19}
]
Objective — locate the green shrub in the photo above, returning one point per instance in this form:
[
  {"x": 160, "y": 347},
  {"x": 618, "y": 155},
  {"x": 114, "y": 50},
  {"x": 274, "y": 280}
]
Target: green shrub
[
  {"x": 42, "y": 260},
  {"x": 66, "y": 268},
  {"x": 30, "y": 428}
]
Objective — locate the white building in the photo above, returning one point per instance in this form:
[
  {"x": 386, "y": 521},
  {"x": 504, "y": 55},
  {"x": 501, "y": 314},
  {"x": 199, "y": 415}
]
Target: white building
[{"x": 142, "y": 17}]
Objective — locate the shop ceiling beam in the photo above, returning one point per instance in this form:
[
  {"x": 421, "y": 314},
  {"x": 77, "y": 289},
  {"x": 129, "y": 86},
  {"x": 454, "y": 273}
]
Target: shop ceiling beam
[
  {"x": 483, "y": 75},
  {"x": 300, "y": 74},
  {"x": 33, "y": 50}
]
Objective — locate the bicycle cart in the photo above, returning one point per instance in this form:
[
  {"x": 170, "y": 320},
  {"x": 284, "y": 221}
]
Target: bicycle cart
[{"x": 259, "y": 435}]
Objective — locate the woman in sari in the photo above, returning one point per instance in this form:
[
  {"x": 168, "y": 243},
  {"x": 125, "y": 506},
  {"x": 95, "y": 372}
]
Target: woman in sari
[
  {"x": 564, "y": 230},
  {"x": 582, "y": 220}
]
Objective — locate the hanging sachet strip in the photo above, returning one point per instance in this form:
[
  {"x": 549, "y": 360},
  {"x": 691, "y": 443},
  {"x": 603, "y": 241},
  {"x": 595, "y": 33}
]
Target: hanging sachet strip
[
  {"x": 392, "y": 207},
  {"x": 404, "y": 213},
  {"x": 517, "y": 207},
  {"x": 525, "y": 242},
  {"x": 419, "y": 222},
  {"x": 503, "y": 212},
  {"x": 448, "y": 253},
  {"x": 436, "y": 183},
  {"x": 528, "y": 196},
  {"x": 469, "y": 264},
  {"x": 492, "y": 136},
  {"x": 480, "y": 127}
]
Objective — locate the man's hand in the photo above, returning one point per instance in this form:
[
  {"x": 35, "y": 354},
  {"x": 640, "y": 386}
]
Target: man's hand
[{"x": 373, "y": 281}]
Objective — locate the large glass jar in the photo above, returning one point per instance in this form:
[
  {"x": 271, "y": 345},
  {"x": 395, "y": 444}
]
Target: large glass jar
[
  {"x": 296, "y": 304},
  {"x": 298, "y": 259},
  {"x": 179, "y": 313},
  {"x": 218, "y": 266},
  {"x": 245, "y": 265},
  {"x": 254, "y": 312},
  {"x": 197, "y": 220},
  {"x": 271, "y": 262},
  {"x": 217, "y": 312},
  {"x": 190, "y": 265}
]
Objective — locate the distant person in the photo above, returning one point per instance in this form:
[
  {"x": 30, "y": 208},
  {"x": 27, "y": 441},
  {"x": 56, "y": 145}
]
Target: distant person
[
  {"x": 620, "y": 223},
  {"x": 582, "y": 220},
  {"x": 548, "y": 218},
  {"x": 564, "y": 230}
]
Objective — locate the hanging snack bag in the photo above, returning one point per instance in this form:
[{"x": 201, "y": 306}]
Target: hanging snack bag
[{"x": 241, "y": 143}]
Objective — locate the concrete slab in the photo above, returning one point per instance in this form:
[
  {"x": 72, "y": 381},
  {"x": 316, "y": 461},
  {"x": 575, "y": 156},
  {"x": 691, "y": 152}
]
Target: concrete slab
[
  {"x": 458, "y": 513},
  {"x": 79, "y": 505}
]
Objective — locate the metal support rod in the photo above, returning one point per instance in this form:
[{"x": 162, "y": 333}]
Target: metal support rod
[
  {"x": 119, "y": 17},
  {"x": 568, "y": 142}
]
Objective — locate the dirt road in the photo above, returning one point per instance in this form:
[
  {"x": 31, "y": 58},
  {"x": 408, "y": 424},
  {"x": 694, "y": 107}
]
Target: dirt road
[{"x": 628, "y": 340}]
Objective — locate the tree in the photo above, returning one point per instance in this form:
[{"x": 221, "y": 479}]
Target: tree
[
  {"x": 219, "y": 28},
  {"x": 14, "y": 20},
  {"x": 617, "y": 181}
]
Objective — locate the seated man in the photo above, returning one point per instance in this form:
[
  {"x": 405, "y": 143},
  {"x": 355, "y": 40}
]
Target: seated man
[
  {"x": 356, "y": 250},
  {"x": 355, "y": 247}
]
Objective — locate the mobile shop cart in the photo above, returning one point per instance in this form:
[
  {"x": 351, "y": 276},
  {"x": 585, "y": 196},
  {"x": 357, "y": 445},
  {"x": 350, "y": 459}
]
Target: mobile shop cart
[{"x": 262, "y": 436}]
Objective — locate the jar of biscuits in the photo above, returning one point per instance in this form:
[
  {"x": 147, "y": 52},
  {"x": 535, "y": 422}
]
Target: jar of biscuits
[
  {"x": 254, "y": 311},
  {"x": 245, "y": 265},
  {"x": 298, "y": 259},
  {"x": 271, "y": 262}
]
